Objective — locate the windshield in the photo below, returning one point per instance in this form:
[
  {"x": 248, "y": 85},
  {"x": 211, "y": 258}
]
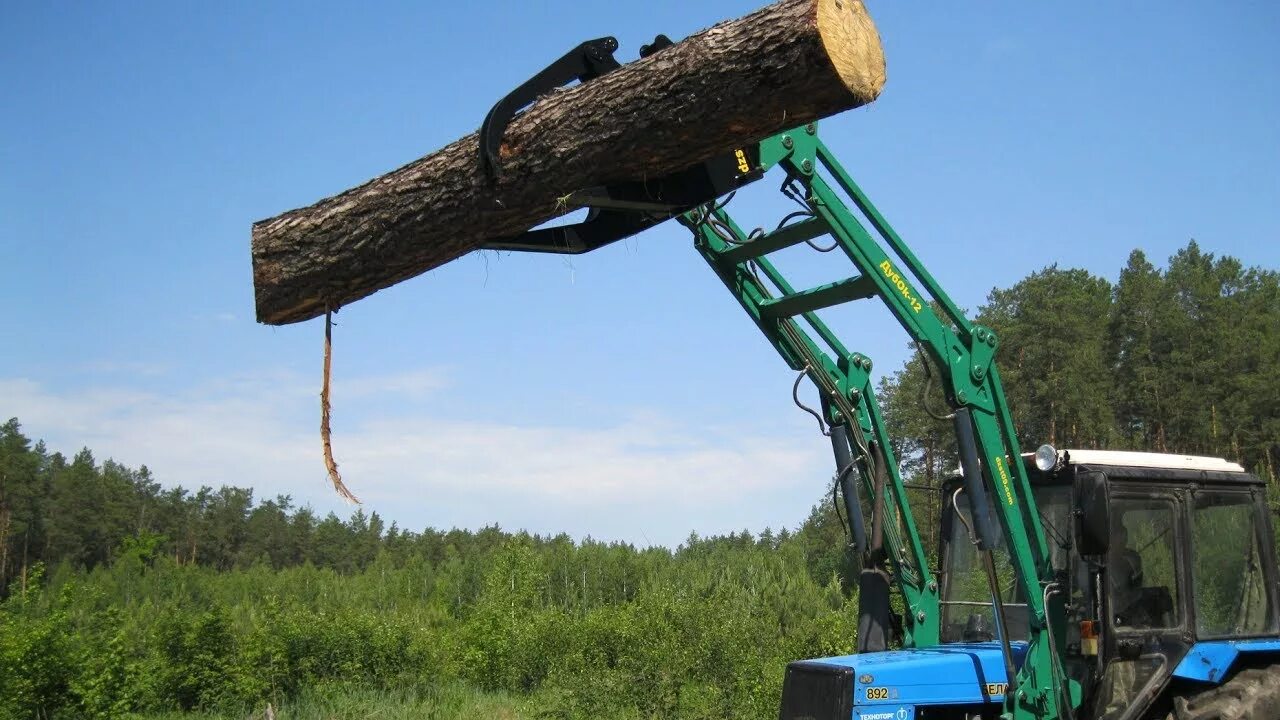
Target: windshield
[{"x": 967, "y": 614}]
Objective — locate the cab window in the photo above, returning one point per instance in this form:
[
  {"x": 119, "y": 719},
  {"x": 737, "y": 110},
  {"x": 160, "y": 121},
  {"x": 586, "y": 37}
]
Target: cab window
[
  {"x": 1143, "y": 576},
  {"x": 1231, "y": 596},
  {"x": 967, "y": 612}
]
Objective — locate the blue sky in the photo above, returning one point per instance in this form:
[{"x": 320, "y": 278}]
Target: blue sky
[{"x": 620, "y": 394}]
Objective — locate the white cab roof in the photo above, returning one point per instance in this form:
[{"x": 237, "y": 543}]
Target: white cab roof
[{"x": 1151, "y": 460}]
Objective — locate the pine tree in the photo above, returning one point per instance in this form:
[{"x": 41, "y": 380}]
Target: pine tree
[
  {"x": 1052, "y": 357},
  {"x": 1137, "y": 340},
  {"x": 20, "y": 499}
]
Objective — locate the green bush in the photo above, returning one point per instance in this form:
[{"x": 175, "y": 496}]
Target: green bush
[{"x": 574, "y": 631}]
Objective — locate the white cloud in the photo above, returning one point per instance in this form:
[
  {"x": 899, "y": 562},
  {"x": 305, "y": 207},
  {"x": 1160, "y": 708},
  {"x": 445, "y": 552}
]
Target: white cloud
[
  {"x": 112, "y": 367},
  {"x": 644, "y": 478},
  {"x": 219, "y": 316},
  {"x": 416, "y": 383}
]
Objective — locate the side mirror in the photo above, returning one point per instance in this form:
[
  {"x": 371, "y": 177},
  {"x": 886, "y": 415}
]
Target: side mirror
[{"x": 1093, "y": 513}]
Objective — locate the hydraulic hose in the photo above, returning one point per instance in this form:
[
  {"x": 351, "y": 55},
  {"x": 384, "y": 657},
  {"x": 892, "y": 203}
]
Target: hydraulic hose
[{"x": 983, "y": 532}]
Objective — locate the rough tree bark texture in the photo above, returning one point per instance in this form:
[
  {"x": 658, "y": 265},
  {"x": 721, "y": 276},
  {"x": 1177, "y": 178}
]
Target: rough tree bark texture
[{"x": 738, "y": 82}]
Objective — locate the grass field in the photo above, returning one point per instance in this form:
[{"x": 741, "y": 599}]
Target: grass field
[{"x": 450, "y": 702}]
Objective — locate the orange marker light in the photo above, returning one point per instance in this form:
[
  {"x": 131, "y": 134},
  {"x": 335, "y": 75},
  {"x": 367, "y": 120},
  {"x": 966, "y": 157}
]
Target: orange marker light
[{"x": 1089, "y": 637}]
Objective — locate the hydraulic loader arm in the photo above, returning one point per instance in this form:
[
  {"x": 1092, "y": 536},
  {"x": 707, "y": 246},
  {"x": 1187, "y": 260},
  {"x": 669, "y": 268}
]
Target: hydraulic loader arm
[
  {"x": 843, "y": 378},
  {"x": 963, "y": 352}
]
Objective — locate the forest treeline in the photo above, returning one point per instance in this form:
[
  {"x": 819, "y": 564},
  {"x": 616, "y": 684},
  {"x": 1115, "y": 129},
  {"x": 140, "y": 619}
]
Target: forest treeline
[
  {"x": 122, "y": 595},
  {"x": 1184, "y": 359}
]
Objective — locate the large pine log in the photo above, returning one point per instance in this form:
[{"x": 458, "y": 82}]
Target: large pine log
[{"x": 738, "y": 82}]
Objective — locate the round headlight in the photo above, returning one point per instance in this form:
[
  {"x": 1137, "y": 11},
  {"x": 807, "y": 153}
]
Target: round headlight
[{"x": 1046, "y": 458}]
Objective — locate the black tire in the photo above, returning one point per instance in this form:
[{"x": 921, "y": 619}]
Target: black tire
[{"x": 1249, "y": 695}]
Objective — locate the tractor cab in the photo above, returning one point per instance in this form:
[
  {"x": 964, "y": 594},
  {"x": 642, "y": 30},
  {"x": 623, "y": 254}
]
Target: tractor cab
[{"x": 1160, "y": 559}]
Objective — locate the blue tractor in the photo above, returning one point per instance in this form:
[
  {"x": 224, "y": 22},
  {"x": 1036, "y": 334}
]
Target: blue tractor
[{"x": 1170, "y": 606}]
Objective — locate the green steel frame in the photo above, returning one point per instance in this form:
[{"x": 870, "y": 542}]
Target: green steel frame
[{"x": 961, "y": 350}]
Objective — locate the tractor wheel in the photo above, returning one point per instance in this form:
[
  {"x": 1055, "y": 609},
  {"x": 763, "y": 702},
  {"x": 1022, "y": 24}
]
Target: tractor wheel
[{"x": 1249, "y": 695}]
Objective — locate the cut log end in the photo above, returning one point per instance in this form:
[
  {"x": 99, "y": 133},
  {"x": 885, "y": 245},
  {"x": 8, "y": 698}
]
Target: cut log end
[{"x": 853, "y": 45}]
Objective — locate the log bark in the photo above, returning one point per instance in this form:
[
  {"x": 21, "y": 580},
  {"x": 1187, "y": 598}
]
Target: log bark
[{"x": 738, "y": 82}]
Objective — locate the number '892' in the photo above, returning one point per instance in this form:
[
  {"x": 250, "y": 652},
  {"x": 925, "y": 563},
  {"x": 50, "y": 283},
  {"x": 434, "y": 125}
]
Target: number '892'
[{"x": 877, "y": 693}]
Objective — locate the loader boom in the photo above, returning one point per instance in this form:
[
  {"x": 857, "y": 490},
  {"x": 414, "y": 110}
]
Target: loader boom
[{"x": 886, "y": 270}]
